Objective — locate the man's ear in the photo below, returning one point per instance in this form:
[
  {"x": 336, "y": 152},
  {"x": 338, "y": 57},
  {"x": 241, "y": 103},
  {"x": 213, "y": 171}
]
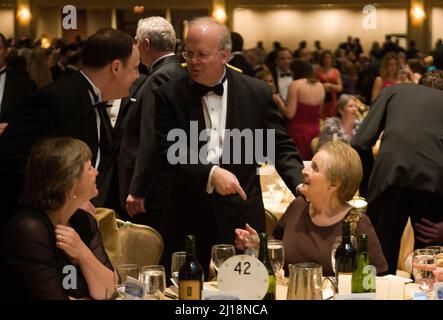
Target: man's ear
[
  {"x": 116, "y": 66},
  {"x": 226, "y": 54},
  {"x": 146, "y": 45}
]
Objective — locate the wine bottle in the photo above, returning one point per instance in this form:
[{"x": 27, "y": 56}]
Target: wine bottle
[
  {"x": 363, "y": 278},
  {"x": 346, "y": 254},
  {"x": 264, "y": 258},
  {"x": 190, "y": 275}
]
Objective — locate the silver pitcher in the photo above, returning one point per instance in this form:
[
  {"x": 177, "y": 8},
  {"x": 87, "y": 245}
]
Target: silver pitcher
[{"x": 306, "y": 281}]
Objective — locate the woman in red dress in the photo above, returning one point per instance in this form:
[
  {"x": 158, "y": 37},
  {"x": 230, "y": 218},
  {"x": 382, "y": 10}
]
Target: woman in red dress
[
  {"x": 331, "y": 80},
  {"x": 304, "y": 103}
]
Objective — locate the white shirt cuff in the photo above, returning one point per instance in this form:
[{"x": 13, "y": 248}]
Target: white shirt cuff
[{"x": 209, "y": 185}]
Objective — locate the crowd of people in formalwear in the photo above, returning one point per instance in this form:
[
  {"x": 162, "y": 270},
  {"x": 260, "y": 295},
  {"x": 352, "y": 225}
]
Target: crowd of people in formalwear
[{"x": 92, "y": 128}]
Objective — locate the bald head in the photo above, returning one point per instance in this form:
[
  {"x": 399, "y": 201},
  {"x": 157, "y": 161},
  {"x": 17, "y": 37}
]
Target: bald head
[
  {"x": 207, "y": 24},
  {"x": 207, "y": 50}
]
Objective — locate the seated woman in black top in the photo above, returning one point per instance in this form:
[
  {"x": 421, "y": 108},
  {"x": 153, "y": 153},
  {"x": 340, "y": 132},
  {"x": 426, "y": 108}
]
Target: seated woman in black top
[{"x": 52, "y": 249}]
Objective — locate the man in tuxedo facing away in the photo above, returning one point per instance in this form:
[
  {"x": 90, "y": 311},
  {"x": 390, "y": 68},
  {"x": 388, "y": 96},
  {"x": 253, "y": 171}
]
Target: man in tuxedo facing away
[
  {"x": 14, "y": 88},
  {"x": 212, "y": 195},
  {"x": 73, "y": 106},
  {"x": 142, "y": 192},
  {"x": 406, "y": 178}
]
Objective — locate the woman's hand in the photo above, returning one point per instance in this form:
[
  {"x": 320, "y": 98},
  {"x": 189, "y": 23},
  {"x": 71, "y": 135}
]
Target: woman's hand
[
  {"x": 70, "y": 242},
  {"x": 246, "y": 238}
]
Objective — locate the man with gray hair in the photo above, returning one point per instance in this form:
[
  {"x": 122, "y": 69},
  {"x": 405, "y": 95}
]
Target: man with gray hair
[
  {"x": 138, "y": 165},
  {"x": 214, "y": 194}
]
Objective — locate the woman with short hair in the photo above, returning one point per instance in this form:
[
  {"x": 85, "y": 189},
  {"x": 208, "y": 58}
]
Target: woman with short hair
[
  {"x": 311, "y": 223},
  {"x": 343, "y": 127},
  {"x": 52, "y": 249}
]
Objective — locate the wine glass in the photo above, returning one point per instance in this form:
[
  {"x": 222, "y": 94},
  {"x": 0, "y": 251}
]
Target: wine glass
[
  {"x": 178, "y": 258},
  {"x": 335, "y": 246},
  {"x": 220, "y": 253},
  {"x": 276, "y": 254},
  {"x": 423, "y": 266}
]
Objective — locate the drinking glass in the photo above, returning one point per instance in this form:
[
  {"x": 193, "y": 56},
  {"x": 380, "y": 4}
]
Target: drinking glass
[
  {"x": 335, "y": 246},
  {"x": 220, "y": 253},
  {"x": 423, "y": 266},
  {"x": 154, "y": 278},
  {"x": 178, "y": 259},
  {"x": 276, "y": 254},
  {"x": 437, "y": 249},
  {"x": 123, "y": 271}
]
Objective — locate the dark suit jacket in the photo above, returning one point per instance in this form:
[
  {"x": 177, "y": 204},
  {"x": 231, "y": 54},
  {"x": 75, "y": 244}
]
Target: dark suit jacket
[
  {"x": 138, "y": 157},
  {"x": 411, "y": 152},
  {"x": 190, "y": 209},
  {"x": 63, "y": 108},
  {"x": 239, "y": 61},
  {"x": 18, "y": 88}
]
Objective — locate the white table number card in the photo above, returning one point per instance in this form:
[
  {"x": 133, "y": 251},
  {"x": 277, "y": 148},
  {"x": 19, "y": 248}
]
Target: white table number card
[{"x": 246, "y": 274}]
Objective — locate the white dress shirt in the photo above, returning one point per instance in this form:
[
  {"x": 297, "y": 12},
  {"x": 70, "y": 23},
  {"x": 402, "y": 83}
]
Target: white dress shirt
[
  {"x": 283, "y": 84},
  {"x": 2, "y": 85},
  {"x": 214, "y": 111},
  {"x": 114, "y": 110}
]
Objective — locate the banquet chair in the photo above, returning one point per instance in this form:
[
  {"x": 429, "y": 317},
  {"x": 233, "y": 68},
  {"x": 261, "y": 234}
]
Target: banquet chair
[
  {"x": 314, "y": 145},
  {"x": 127, "y": 242},
  {"x": 404, "y": 266},
  {"x": 140, "y": 244},
  {"x": 107, "y": 225},
  {"x": 271, "y": 221}
]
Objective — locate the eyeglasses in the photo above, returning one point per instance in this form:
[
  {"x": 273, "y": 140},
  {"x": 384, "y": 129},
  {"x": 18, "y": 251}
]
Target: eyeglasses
[{"x": 199, "y": 56}]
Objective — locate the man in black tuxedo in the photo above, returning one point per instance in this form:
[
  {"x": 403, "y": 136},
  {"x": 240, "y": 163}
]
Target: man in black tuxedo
[
  {"x": 406, "y": 178},
  {"x": 215, "y": 187},
  {"x": 142, "y": 193},
  {"x": 282, "y": 72},
  {"x": 72, "y": 107},
  {"x": 14, "y": 88}
]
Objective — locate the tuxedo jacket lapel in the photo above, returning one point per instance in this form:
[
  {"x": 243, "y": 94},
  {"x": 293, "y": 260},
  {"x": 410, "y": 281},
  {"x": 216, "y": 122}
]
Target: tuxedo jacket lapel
[
  {"x": 90, "y": 134},
  {"x": 196, "y": 108},
  {"x": 8, "y": 93},
  {"x": 126, "y": 102},
  {"x": 232, "y": 117}
]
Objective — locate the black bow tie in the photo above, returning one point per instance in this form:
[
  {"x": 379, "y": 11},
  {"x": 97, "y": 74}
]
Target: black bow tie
[
  {"x": 285, "y": 74},
  {"x": 201, "y": 90},
  {"x": 102, "y": 105}
]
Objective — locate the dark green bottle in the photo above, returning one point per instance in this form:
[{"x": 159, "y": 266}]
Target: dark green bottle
[
  {"x": 363, "y": 278},
  {"x": 346, "y": 254},
  {"x": 264, "y": 258},
  {"x": 190, "y": 275}
]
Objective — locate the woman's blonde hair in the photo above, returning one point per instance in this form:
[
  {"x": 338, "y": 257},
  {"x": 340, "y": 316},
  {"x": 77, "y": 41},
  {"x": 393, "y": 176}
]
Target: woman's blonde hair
[
  {"x": 344, "y": 167},
  {"x": 53, "y": 166}
]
